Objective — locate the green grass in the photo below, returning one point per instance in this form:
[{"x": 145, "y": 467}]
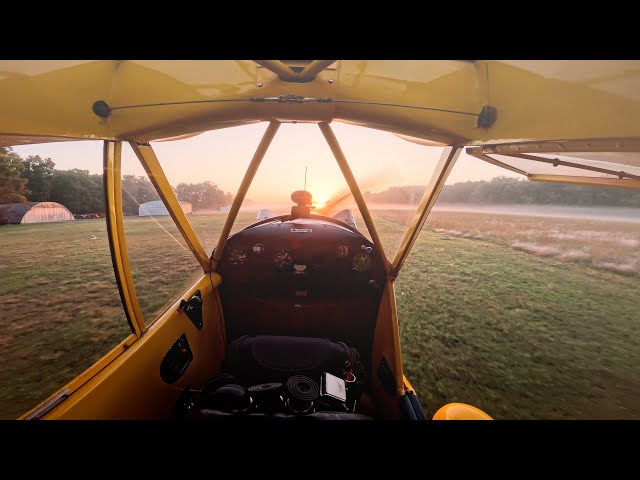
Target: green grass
[
  {"x": 60, "y": 306},
  {"x": 518, "y": 335}
]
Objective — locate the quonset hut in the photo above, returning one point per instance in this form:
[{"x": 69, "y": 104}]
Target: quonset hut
[
  {"x": 156, "y": 207},
  {"x": 34, "y": 212}
]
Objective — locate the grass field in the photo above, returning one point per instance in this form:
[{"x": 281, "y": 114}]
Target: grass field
[{"x": 525, "y": 317}]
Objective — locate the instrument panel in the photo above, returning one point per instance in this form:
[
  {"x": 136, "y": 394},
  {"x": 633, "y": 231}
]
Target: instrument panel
[
  {"x": 318, "y": 253},
  {"x": 304, "y": 277}
]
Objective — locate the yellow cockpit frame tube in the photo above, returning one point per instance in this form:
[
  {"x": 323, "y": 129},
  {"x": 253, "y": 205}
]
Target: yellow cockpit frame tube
[
  {"x": 287, "y": 74},
  {"x": 278, "y": 67},
  {"x": 117, "y": 242},
  {"x": 151, "y": 165},
  {"x": 326, "y": 130},
  {"x": 439, "y": 177},
  {"x": 244, "y": 187},
  {"x": 311, "y": 70}
]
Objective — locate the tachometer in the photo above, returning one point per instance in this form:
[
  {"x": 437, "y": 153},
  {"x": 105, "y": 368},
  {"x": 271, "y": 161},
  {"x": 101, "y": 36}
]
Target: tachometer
[
  {"x": 237, "y": 257},
  {"x": 283, "y": 260},
  {"x": 361, "y": 262}
]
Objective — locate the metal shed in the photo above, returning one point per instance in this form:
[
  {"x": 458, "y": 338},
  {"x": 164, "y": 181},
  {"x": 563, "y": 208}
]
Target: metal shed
[
  {"x": 156, "y": 207},
  {"x": 34, "y": 212}
]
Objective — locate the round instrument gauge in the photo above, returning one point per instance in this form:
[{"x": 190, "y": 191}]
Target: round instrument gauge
[
  {"x": 342, "y": 250},
  {"x": 283, "y": 260},
  {"x": 237, "y": 257},
  {"x": 362, "y": 262}
]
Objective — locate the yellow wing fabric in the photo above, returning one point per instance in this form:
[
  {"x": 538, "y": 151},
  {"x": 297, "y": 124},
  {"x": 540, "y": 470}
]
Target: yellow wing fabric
[{"x": 532, "y": 102}]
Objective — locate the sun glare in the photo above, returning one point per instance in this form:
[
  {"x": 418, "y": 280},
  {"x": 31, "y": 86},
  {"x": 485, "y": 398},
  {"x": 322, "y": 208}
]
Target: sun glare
[{"x": 320, "y": 201}]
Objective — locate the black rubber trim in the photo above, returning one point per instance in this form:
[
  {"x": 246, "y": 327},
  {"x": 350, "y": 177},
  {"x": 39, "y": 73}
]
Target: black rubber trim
[{"x": 110, "y": 235}]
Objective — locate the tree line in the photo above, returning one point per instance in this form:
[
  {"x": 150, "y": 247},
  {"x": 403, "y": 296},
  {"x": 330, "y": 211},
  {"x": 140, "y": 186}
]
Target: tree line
[
  {"x": 509, "y": 190},
  {"x": 34, "y": 179}
]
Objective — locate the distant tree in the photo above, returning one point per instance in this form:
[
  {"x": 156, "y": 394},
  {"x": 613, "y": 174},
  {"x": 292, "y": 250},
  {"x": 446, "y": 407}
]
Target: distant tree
[
  {"x": 78, "y": 190},
  {"x": 458, "y": 193},
  {"x": 508, "y": 190},
  {"x": 39, "y": 172},
  {"x": 135, "y": 191},
  {"x": 204, "y": 195},
  {"x": 13, "y": 185},
  {"x": 411, "y": 194}
]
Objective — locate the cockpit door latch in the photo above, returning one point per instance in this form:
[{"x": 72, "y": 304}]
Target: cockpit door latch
[{"x": 193, "y": 309}]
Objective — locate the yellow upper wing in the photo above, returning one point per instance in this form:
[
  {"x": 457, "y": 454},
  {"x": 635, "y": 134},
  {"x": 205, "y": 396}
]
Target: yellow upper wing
[{"x": 434, "y": 100}]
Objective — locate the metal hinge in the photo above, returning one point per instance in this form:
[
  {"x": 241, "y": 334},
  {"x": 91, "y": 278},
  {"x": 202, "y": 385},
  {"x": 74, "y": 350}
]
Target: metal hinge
[{"x": 290, "y": 99}]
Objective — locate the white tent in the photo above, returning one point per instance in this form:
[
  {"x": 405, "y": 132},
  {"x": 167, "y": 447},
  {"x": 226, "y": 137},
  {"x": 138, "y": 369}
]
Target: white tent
[{"x": 156, "y": 208}]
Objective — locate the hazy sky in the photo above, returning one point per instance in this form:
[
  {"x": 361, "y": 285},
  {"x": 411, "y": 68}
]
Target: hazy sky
[{"x": 378, "y": 160}]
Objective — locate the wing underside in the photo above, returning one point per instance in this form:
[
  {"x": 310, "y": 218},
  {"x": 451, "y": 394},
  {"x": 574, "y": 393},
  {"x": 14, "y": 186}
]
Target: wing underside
[{"x": 549, "y": 120}]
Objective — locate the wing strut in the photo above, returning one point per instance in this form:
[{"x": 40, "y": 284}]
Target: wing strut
[{"x": 244, "y": 187}]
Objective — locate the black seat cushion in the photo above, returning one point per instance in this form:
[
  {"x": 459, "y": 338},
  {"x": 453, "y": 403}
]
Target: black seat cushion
[{"x": 269, "y": 358}]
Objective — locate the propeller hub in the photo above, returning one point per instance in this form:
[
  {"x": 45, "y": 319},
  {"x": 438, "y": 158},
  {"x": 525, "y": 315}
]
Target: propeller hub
[
  {"x": 301, "y": 197},
  {"x": 303, "y": 207}
]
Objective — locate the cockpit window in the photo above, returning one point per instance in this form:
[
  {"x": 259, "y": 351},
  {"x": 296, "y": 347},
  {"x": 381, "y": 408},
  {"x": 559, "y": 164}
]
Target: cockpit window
[
  {"x": 299, "y": 159},
  {"x": 61, "y": 309}
]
